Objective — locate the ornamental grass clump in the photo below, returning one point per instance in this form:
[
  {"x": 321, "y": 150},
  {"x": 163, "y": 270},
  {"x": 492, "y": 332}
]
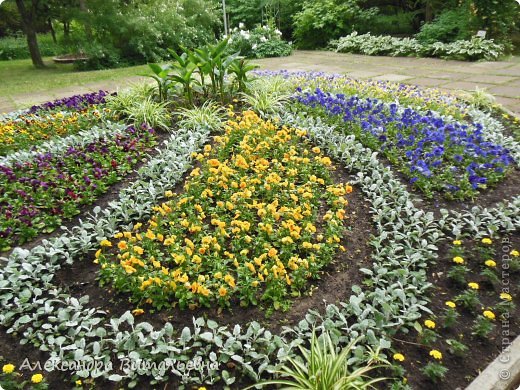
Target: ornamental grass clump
[
  {"x": 258, "y": 217},
  {"x": 322, "y": 367}
]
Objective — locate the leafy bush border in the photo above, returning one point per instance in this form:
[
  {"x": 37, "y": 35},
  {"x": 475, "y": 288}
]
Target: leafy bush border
[
  {"x": 59, "y": 145},
  {"x": 68, "y": 331}
]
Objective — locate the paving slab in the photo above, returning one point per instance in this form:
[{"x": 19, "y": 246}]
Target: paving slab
[
  {"x": 490, "y": 79},
  {"x": 392, "y": 77},
  {"x": 512, "y": 71},
  {"x": 363, "y": 74},
  {"x": 512, "y": 92},
  {"x": 426, "y": 82},
  {"x": 491, "y": 66},
  {"x": 468, "y": 85}
]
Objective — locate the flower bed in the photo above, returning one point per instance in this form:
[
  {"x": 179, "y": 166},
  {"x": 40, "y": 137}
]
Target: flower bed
[
  {"x": 394, "y": 296},
  {"x": 449, "y": 104},
  {"x": 72, "y": 103},
  {"x": 261, "y": 184},
  {"x": 435, "y": 155},
  {"x": 473, "y": 309},
  {"x": 36, "y": 195}
]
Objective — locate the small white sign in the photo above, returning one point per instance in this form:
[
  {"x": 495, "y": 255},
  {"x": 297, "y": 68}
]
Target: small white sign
[{"x": 482, "y": 33}]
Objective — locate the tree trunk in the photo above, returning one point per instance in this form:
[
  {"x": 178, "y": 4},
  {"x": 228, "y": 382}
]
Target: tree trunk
[
  {"x": 30, "y": 32},
  {"x": 66, "y": 29},
  {"x": 53, "y": 33},
  {"x": 428, "y": 13},
  {"x": 83, "y": 8}
]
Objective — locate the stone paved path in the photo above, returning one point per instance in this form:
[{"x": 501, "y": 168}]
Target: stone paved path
[{"x": 502, "y": 79}]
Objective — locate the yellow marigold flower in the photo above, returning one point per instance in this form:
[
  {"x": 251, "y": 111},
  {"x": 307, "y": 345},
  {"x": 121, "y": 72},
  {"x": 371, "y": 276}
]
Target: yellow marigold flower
[
  {"x": 436, "y": 354},
  {"x": 138, "y": 250},
  {"x": 222, "y": 291},
  {"x": 307, "y": 245},
  {"x": 399, "y": 357},
  {"x": 451, "y": 304},
  {"x": 506, "y": 296},
  {"x": 272, "y": 252},
  {"x": 207, "y": 148},
  {"x": 8, "y": 368},
  {"x": 229, "y": 280},
  {"x": 489, "y": 314},
  {"x": 326, "y": 161},
  {"x": 105, "y": 243},
  {"x": 79, "y": 382},
  {"x": 137, "y": 312},
  {"x": 213, "y": 163},
  {"x": 473, "y": 285},
  {"x": 457, "y": 242},
  {"x": 168, "y": 194},
  {"x": 122, "y": 245},
  {"x": 36, "y": 378},
  {"x": 487, "y": 241},
  {"x": 150, "y": 235},
  {"x": 429, "y": 324},
  {"x": 458, "y": 260},
  {"x": 490, "y": 263},
  {"x": 515, "y": 253}
]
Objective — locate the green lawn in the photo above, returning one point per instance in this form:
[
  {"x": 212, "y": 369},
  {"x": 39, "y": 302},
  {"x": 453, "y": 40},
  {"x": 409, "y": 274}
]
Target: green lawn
[{"x": 20, "y": 82}]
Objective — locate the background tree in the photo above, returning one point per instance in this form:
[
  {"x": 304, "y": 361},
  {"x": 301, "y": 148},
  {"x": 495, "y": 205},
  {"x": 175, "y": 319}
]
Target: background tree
[{"x": 30, "y": 13}]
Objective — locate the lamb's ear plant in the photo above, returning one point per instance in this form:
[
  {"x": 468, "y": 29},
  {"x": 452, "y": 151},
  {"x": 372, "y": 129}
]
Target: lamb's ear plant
[{"x": 323, "y": 368}]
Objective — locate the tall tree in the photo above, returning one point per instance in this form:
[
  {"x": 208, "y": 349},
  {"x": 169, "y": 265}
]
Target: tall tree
[{"x": 29, "y": 15}]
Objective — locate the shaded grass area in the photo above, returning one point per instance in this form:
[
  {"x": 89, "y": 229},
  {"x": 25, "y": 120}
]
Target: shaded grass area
[{"x": 18, "y": 77}]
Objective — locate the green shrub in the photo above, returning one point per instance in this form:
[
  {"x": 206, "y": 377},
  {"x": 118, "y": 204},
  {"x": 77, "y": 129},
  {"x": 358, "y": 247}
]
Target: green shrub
[
  {"x": 261, "y": 42},
  {"x": 399, "y": 23},
  {"x": 142, "y": 32},
  {"x": 321, "y": 21},
  {"x": 15, "y": 48},
  {"x": 449, "y": 26},
  {"x": 467, "y": 50}
]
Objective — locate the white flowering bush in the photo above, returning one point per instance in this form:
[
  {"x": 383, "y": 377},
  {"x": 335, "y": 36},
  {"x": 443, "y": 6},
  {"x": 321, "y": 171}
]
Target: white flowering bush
[{"x": 260, "y": 42}]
